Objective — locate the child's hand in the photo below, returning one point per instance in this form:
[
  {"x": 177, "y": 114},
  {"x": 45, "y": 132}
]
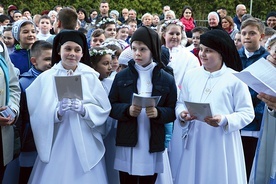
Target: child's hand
[
  {"x": 213, "y": 121},
  {"x": 151, "y": 112},
  {"x": 184, "y": 115},
  {"x": 134, "y": 111}
]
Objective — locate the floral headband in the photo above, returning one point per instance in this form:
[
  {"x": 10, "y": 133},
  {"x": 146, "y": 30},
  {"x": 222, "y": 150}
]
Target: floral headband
[
  {"x": 123, "y": 26},
  {"x": 106, "y": 21},
  {"x": 95, "y": 52},
  {"x": 172, "y": 21},
  {"x": 270, "y": 41}
]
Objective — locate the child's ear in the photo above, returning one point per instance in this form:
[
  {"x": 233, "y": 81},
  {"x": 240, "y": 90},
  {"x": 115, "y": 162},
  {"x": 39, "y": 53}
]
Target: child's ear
[
  {"x": 262, "y": 37},
  {"x": 33, "y": 60}
]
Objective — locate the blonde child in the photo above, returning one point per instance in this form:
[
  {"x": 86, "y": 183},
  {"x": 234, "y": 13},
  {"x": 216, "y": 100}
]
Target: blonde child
[{"x": 172, "y": 32}]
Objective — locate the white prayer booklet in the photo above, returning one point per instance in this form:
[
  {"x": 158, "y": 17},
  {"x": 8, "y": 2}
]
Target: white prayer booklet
[
  {"x": 144, "y": 102},
  {"x": 69, "y": 87},
  {"x": 199, "y": 110},
  {"x": 260, "y": 76}
]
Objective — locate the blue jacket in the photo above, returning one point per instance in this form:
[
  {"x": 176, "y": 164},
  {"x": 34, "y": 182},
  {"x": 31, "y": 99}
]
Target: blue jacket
[
  {"x": 257, "y": 103},
  {"x": 120, "y": 96},
  {"x": 27, "y": 140},
  {"x": 21, "y": 60}
]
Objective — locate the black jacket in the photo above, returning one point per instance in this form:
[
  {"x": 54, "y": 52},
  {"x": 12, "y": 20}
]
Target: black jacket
[{"x": 120, "y": 96}]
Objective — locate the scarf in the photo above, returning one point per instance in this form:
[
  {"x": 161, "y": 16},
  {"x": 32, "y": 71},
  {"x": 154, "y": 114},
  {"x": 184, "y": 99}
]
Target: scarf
[
  {"x": 5, "y": 69},
  {"x": 189, "y": 24}
]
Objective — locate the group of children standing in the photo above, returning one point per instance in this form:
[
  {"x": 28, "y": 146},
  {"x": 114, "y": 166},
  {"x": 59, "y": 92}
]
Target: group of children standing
[{"x": 70, "y": 135}]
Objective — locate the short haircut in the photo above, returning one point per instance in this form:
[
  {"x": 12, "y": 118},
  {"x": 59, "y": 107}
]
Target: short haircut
[
  {"x": 253, "y": 22},
  {"x": 68, "y": 18},
  {"x": 39, "y": 46},
  {"x": 269, "y": 31},
  {"x": 200, "y": 29},
  {"x": 4, "y": 17},
  {"x": 44, "y": 17},
  {"x": 131, "y": 21},
  {"x": 97, "y": 32}
]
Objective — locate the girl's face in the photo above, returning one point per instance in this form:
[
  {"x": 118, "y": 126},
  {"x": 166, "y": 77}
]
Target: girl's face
[
  {"x": 237, "y": 41},
  {"x": 70, "y": 53},
  {"x": 213, "y": 21},
  {"x": 27, "y": 35},
  {"x": 81, "y": 15},
  {"x": 210, "y": 59},
  {"x": 172, "y": 36},
  {"x": 251, "y": 38},
  {"x": 97, "y": 41},
  {"x": 104, "y": 66},
  {"x": 8, "y": 38},
  {"x": 196, "y": 39},
  {"x": 122, "y": 34},
  {"x": 187, "y": 14},
  {"x": 141, "y": 53},
  {"x": 114, "y": 63},
  {"x": 272, "y": 51},
  {"x": 110, "y": 31},
  {"x": 45, "y": 26}
]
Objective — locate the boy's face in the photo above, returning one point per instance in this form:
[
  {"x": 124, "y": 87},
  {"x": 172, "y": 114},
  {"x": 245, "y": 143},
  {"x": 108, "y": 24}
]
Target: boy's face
[
  {"x": 97, "y": 41},
  {"x": 43, "y": 61},
  {"x": 110, "y": 31},
  {"x": 133, "y": 28},
  {"x": 27, "y": 35},
  {"x": 141, "y": 53},
  {"x": 45, "y": 26},
  {"x": 251, "y": 38},
  {"x": 196, "y": 39}
]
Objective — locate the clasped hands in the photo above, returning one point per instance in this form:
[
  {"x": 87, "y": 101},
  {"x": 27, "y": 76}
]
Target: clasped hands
[
  {"x": 70, "y": 104},
  {"x": 151, "y": 112}
]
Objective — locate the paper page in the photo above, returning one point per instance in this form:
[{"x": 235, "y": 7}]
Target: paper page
[
  {"x": 69, "y": 87},
  {"x": 145, "y": 101},
  {"x": 260, "y": 76},
  {"x": 199, "y": 110}
]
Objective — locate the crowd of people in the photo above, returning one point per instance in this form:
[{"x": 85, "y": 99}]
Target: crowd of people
[{"x": 103, "y": 136}]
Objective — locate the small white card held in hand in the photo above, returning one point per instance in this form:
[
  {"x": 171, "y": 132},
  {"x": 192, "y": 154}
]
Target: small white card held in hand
[
  {"x": 199, "y": 110},
  {"x": 69, "y": 87},
  {"x": 144, "y": 102},
  {"x": 8, "y": 111},
  {"x": 260, "y": 76}
]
